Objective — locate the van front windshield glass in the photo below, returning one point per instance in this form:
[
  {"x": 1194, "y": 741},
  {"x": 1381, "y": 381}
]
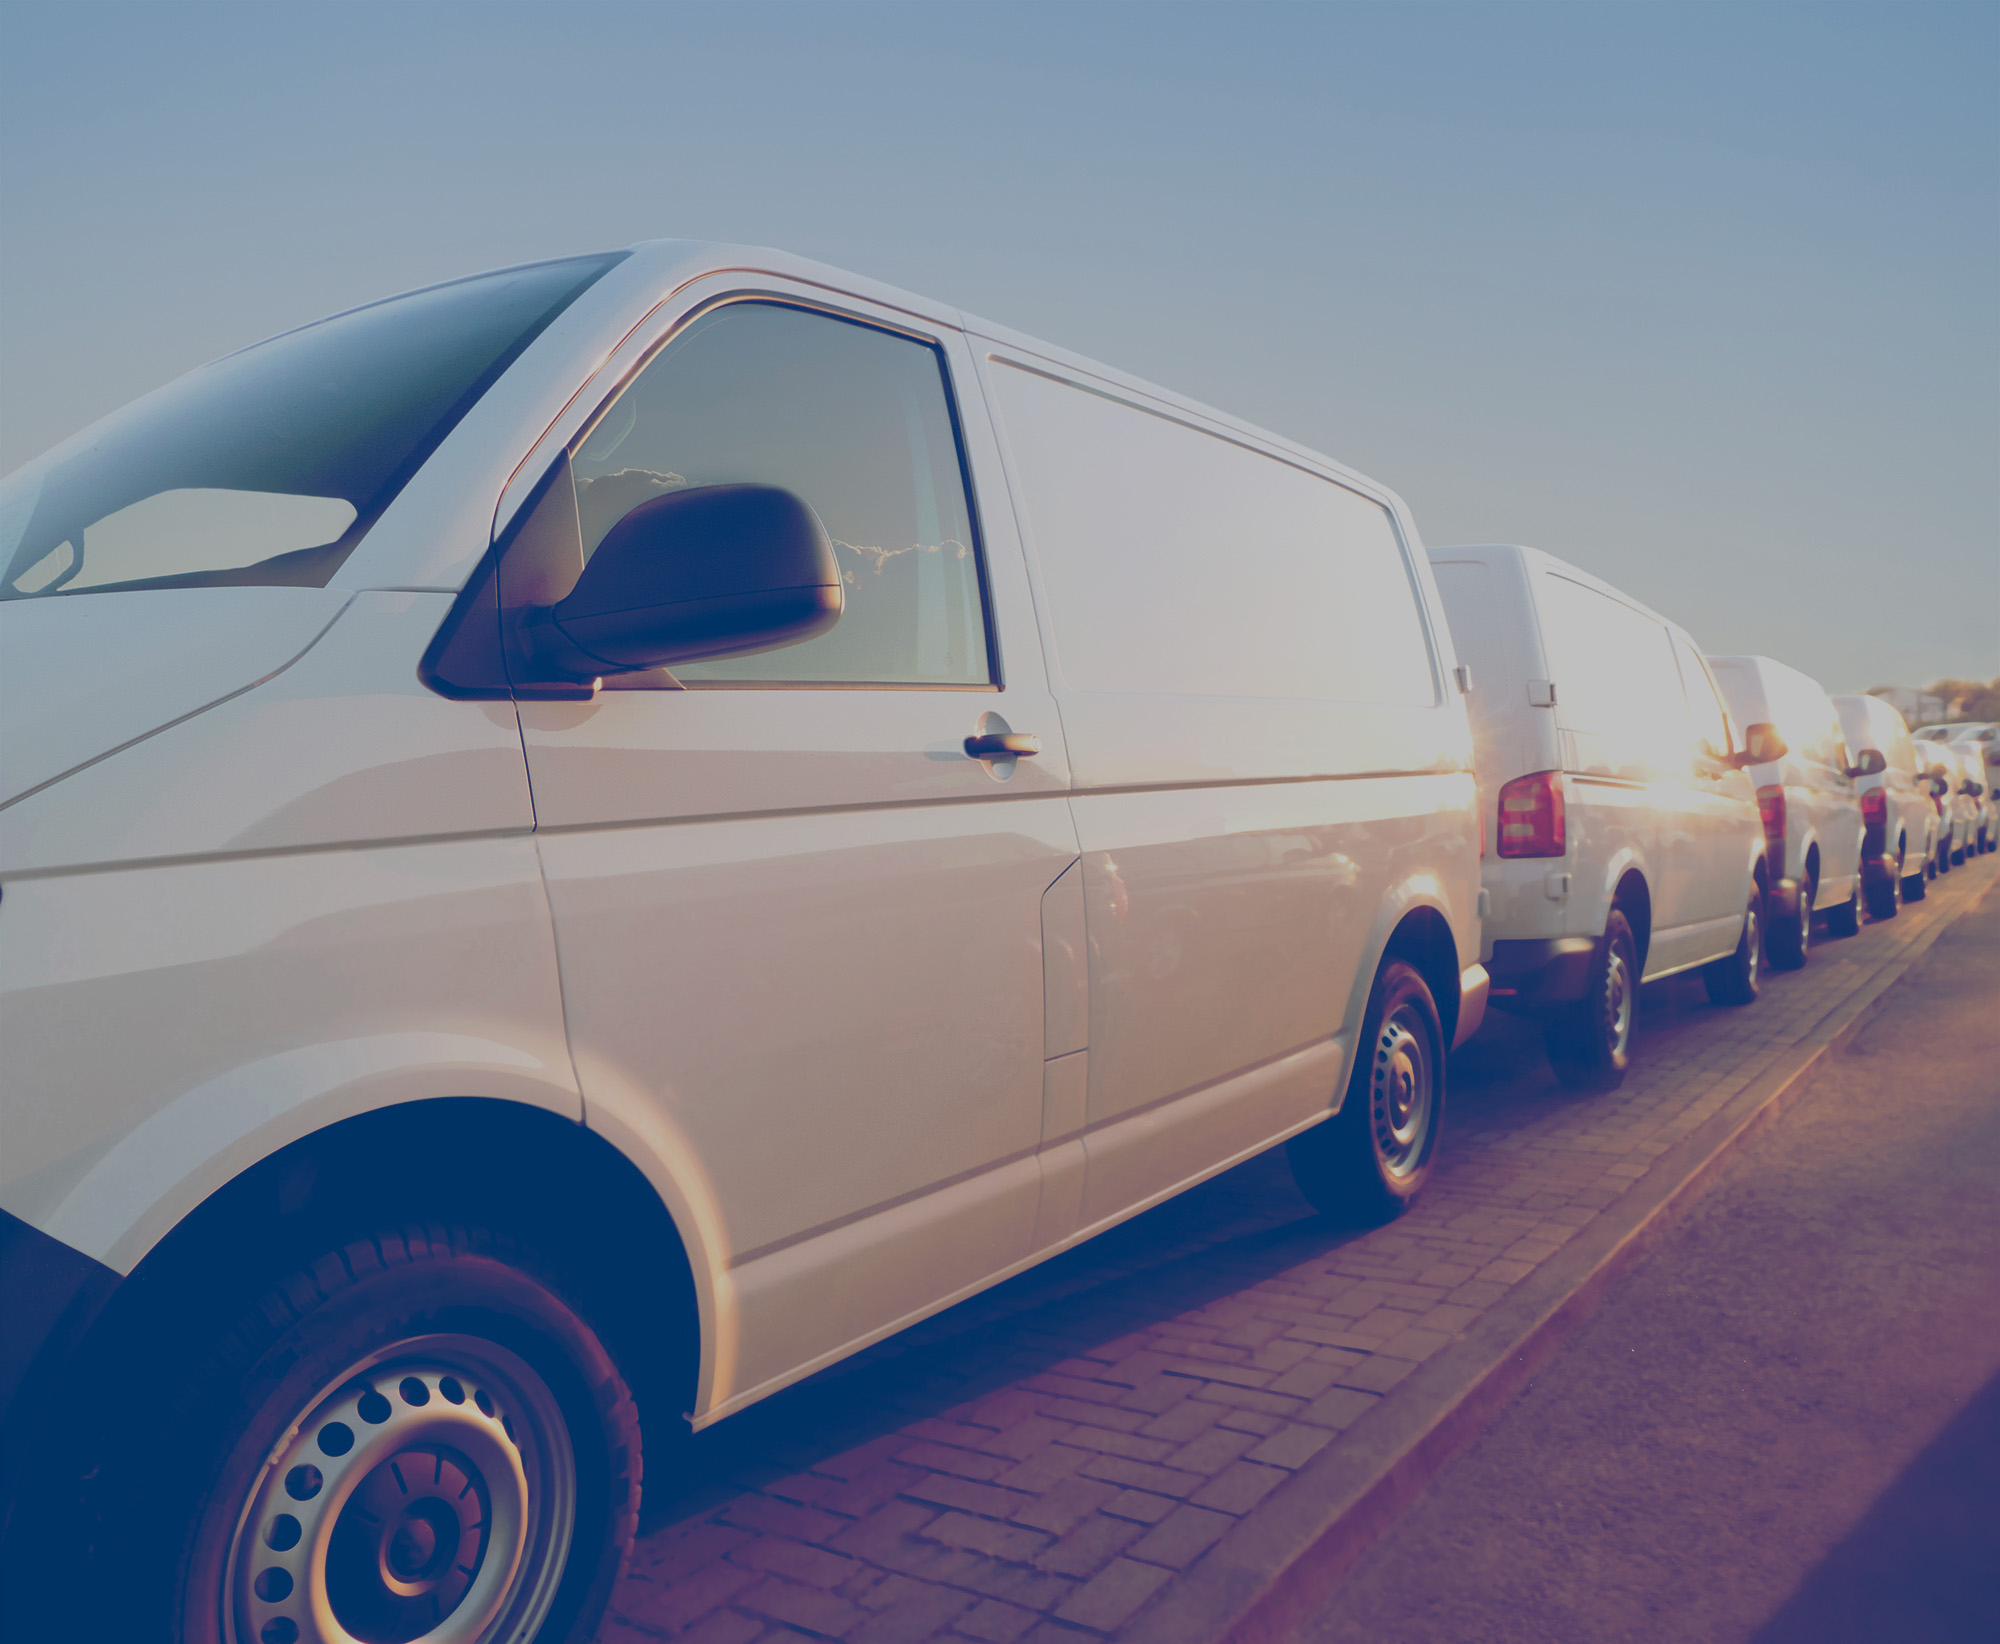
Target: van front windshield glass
[{"x": 266, "y": 467}]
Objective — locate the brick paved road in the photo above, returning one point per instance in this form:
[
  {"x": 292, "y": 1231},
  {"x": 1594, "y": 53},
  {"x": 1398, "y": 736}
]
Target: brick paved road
[{"x": 1040, "y": 1463}]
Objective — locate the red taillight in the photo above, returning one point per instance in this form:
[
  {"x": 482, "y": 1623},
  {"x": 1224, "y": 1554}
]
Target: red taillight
[
  {"x": 1531, "y": 815},
  {"x": 1771, "y": 806},
  {"x": 1875, "y": 806}
]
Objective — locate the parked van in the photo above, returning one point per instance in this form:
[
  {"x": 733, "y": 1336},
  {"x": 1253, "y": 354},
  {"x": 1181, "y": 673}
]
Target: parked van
[
  {"x": 583, "y": 843},
  {"x": 1939, "y": 772},
  {"x": 1811, "y": 811},
  {"x": 1625, "y": 838},
  {"x": 1900, "y": 817},
  {"x": 1966, "y": 803}
]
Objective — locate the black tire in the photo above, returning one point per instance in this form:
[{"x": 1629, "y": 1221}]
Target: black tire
[
  {"x": 1368, "y": 1163},
  {"x": 1885, "y": 896},
  {"x": 1845, "y": 920},
  {"x": 1589, "y": 1043},
  {"x": 1958, "y": 857},
  {"x": 451, "y": 1345},
  {"x": 1917, "y": 885},
  {"x": 1733, "y": 980},
  {"x": 1788, "y": 942}
]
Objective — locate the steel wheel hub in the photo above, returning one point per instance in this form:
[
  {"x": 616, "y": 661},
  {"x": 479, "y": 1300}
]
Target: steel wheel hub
[
  {"x": 1400, "y": 1095},
  {"x": 428, "y": 1498},
  {"x": 1618, "y": 1001}
]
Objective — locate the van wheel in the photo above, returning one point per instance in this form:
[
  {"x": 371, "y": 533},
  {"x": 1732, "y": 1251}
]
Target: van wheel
[
  {"x": 1885, "y": 898},
  {"x": 1845, "y": 920},
  {"x": 414, "y": 1438},
  {"x": 1790, "y": 940},
  {"x": 1733, "y": 980},
  {"x": 1589, "y": 1043},
  {"x": 1915, "y": 885},
  {"x": 1370, "y": 1160}
]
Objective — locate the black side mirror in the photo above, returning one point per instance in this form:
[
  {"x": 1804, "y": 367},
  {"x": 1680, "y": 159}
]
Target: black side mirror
[
  {"x": 1869, "y": 762},
  {"x": 720, "y": 570},
  {"x": 1761, "y": 745},
  {"x": 1938, "y": 786}
]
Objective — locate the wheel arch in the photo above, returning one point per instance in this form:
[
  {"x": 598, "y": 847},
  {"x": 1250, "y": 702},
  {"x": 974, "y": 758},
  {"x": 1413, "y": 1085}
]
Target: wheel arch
[
  {"x": 1633, "y": 897},
  {"x": 568, "y": 1193},
  {"x": 1423, "y": 938}
]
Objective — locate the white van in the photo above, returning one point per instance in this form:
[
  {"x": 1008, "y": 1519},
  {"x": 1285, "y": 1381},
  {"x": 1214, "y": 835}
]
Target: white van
[
  {"x": 582, "y": 843},
  {"x": 1625, "y": 837},
  {"x": 1811, "y": 810},
  {"x": 1898, "y": 809}
]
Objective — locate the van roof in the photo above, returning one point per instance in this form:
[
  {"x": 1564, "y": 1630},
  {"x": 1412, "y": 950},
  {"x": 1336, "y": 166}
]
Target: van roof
[
  {"x": 673, "y": 263},
  {"x": 1527, "y": 559}
]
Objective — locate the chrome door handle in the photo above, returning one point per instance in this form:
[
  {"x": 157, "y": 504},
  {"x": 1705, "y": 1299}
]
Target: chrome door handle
[{"x": 1005, "y": 746}]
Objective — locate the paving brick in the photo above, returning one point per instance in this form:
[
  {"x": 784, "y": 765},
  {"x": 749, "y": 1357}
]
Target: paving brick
[
  {"x": 946, "y": 1458},
  {"x": 1376, "y": 1374},
  {"x": 861, "y": 1495},
  {"x": 1089, "y": 1547},
  {"x": 1238, "y": 1487},
  {"x": 1182, "y": 1537},
  {"x": 1291, "y": 1446},
  {"x": 1109, "y": 1442},
  {"x": 1024, "y": 1438},
  {"x": 992, "y": 1622},
  {"x": 1110, "y": 1597},
  {"x": 782, "y": 1518},
  {"x": 794, "y": 1560},
  {"x": 943, "y": 1490},
  {"x": 1140, "y": 1506},
  {"x": 1213, "y": 1451},
  {"x": 1142, "y": 1475},
  {"x": 1184, "y": 1420},
  {"x": 1340, "y": 1407},
  {"x": 672, "y": 1607},
  {"x": 984, "y": 1535},
  {"x": 1065, "y": 1504},
  {"x": 1260, "y": 1422},
  {"x": 1042, "y": 1470},
  {"x": 806, "y": 1607}
]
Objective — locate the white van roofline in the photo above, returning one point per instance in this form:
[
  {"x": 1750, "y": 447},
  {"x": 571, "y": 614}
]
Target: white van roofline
[{"x": 1537, "y": 559}]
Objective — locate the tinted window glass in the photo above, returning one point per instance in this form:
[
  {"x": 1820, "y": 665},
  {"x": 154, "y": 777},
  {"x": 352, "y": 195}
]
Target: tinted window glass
[
  {"x": 1180, "y": 563},
  {"x": 854, "y": 420},
  {"x": 268, "y": 466},
  {"x": 1616, "y": 683}
]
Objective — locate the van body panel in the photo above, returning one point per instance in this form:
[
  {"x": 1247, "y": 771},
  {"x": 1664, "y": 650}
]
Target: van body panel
[
  {"x": 253, "y": 1004},
  {"x": 77, "y": 683},
  {"x": 342, "y": 747},
  {"x": 1248, "y": 796}
]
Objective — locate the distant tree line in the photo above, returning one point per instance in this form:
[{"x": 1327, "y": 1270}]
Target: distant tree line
[{"x": 1961, "y": 698}]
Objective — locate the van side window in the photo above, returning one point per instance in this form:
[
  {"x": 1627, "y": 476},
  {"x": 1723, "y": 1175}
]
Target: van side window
[
  {"x": 1616, "y": 683},
  {"x": 1180, "y": 563},
  {"x": 1711, "y": 720},
  {"x": 856, "y": 421}
]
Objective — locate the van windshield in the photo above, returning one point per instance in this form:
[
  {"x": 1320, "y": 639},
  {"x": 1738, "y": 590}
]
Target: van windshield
[{"x": 266, "y": 467}]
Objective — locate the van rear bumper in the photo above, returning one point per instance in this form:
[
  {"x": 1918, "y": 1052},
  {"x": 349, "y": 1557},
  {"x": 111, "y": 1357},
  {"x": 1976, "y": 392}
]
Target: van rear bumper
[{"x": 1550, "y": 970}]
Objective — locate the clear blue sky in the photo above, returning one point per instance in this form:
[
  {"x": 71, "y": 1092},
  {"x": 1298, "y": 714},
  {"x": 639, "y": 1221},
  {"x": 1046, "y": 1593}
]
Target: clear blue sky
[{"x": 1704, "y": 297}]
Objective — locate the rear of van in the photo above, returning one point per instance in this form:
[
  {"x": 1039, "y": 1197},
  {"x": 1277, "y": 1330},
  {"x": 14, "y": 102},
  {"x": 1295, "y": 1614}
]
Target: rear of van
[
  {"x": 1624, "y": 838},
  {"x": 1811, "y": 812},
  {"x": 1899, "y": 819}
]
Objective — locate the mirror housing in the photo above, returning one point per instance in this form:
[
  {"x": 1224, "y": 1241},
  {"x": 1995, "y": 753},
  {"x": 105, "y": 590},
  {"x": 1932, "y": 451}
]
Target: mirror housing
[
  {"x": 1761, "y": 745},
  {"x": 719, "y": 570},
  {"x": 1938, "y": 786},
  {"x": 1869, "y": 762}
]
